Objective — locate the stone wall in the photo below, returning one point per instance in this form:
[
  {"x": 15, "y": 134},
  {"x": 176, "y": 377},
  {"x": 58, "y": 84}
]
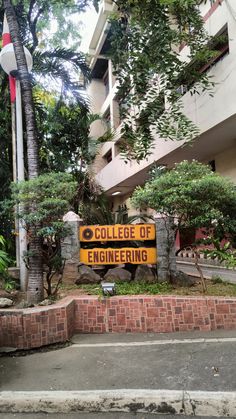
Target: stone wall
[
  {"x": 70, "y": 247},
  {"x": 35, "y": 327},
  {"x": 165, "y": 244}
]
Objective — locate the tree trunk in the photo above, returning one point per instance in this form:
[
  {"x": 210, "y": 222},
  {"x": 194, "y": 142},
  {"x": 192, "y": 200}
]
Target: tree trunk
[{"x": 35, "y": 283}]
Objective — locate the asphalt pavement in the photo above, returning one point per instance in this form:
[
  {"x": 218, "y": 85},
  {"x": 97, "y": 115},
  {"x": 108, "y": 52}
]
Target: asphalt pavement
[
  {"x": 190, "y": 361},
  {"x": 228, "y": 275},
  {"x": 123, "y": 372},
  {"x": 94, "y": 416}
]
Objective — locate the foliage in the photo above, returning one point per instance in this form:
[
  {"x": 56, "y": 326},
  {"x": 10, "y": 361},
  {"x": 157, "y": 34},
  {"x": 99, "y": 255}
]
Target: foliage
[
  {"x": 223, "y": 252},
  {"x": 65, "y": 140},
  {"x": 51, "y": 196},
  {"x": 130, "y": 288},
  {"x": 9, "y": 284},
  {"x": 47, "y": 29},
  {"x": 5, "y": 161},
  {"x": 95, "y": 208},
  {"x": 145, "y": 38},
  {"x": 4, "y": 257},
  {"x": 193, "y": 195}
]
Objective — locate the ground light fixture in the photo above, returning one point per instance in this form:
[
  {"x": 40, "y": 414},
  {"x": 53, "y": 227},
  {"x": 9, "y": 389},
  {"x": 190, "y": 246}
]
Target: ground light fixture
[{"x": 108, "y": 288}]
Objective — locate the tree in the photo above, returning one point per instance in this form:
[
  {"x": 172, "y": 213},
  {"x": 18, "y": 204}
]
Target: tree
[
  {"x": 65, "y": 137},
  {"x": 5, "y": 159},
  {"x": 53, "y": 58},
  {"x": 145, "y": 39},
  {"x": 4, "y": 258},
  {"x": 35, "y": 284},
  {"x": 192, "y": 196},
  {"x": 51, "y": 196}
]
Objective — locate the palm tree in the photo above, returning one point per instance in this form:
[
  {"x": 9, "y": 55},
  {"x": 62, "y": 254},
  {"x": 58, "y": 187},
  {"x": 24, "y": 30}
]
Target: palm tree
[
  {"x": 23, "y": 20},
  {"x": 35, "y": 283}
]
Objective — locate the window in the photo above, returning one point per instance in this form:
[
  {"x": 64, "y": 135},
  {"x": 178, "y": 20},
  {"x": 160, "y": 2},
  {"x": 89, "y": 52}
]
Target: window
[
  {"x": 108, "y": 156},
  {"x": 119, "y": 146},
  {"x": 107, "y": 119},
  {"x": 220, "y": 45},
  {"x": 116, "y": 114},
  {"x": 106, "y": 83},
  {"x": 212, "y": 165},
  {"x": 121, "y": 215}
]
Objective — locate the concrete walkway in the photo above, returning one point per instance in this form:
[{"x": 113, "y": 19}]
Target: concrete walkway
[{"x": 127, "y": 367}]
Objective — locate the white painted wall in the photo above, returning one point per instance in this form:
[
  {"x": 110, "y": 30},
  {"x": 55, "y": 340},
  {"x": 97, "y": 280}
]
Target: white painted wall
[{"x": 204, "y": 111}]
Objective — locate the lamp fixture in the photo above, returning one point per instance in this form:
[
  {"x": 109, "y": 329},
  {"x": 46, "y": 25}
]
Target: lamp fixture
[
  {"x": 116, "y": 193},
  {"x": 108, "y": 288},
  {"x": 8, "y": 59}
]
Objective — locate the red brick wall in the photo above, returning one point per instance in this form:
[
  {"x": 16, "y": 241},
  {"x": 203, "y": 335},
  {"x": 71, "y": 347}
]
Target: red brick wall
[
  {"x": 154, "y": 314},
  {"x": 35, "y": 327}
]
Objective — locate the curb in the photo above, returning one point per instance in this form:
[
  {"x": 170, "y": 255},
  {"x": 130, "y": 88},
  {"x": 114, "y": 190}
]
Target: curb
[{"x": 195, "y": 403}]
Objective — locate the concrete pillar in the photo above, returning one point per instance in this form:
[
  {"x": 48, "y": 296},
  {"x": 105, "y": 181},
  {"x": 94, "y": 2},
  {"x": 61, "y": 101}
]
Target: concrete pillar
[
  {"x": 70, "y": 246},
  {"x": 165, "y": 242}
]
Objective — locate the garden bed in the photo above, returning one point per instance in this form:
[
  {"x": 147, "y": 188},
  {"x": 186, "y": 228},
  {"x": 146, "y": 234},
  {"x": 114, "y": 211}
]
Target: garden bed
[{"x": 215, "y": 287}]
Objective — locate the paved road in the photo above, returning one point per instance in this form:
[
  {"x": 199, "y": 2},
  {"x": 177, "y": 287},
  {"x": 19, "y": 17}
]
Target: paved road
[
  {"x": 95, "y": 416},
  {"x": 130, "y": 361},
  {"x": 228, "y": 275},
  {"x": 177, "y": 361}
]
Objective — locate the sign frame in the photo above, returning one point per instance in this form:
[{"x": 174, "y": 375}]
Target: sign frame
[
  {"x": 117, "y": 256},
  {"x": 117, "y": 232}
]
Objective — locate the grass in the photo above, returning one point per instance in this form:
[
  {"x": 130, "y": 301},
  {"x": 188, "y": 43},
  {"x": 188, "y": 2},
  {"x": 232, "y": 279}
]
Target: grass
[
  {"x": 130, "y": 288},
  {"x": 215, "y": 287}
]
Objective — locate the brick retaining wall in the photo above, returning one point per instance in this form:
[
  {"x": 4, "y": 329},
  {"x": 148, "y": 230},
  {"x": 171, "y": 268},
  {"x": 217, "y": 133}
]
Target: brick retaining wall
[{"x": 35, "y": 327}]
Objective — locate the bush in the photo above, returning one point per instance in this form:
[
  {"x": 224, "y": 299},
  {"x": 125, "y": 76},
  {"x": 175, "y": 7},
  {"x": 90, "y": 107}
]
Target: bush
[{"x": 51, "y": 195}]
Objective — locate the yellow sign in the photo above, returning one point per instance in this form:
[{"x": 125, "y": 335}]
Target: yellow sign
[
  {"x": 117, "y": 232},
  {"x": 115, "y": 256}
]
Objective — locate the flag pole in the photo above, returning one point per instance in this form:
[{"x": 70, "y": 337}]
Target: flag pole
[
  {"x": 13, "y": 128},
  {"x": 20, "y": 177}
]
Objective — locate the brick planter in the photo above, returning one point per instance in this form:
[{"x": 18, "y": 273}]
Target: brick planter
[{"x": 35, "y": 327}]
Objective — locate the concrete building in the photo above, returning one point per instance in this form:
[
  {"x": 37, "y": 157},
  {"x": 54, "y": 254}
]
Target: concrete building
[{"x": 215, "y": 116}]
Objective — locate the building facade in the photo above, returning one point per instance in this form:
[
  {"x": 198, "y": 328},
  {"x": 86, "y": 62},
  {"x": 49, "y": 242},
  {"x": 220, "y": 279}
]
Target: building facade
[{"x": 214, "y": 116}]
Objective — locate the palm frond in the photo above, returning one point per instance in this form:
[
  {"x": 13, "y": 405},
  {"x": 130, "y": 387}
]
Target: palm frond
[
  {"x": 57, "y": 72},
  {"x": 77, "y": 59}
]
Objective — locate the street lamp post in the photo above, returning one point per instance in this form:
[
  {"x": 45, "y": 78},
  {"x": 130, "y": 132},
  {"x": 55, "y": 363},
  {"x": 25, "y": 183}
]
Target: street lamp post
[{"x": 8, "y": 63}]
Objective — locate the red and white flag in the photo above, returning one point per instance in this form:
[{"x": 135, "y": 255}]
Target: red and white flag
[{"x": 6, "y": 39}]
